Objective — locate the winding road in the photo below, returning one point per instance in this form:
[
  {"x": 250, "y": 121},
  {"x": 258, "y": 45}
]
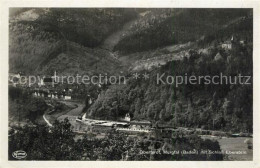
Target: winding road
[
  {"x": 47, "y": 121},
  {"x": 71, "y": 115},
  {"x": 74, "y": 112}
]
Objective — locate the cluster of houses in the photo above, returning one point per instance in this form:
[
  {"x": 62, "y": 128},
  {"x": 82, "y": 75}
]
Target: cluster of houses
[
  {"x": 42, "y": 88},
  {"x": 157, "y": 130},
  {"x": 136, "y": 127},
  {"x": 17, "y": 79},
  {"x": 53, "y": 95},
  {"x": 125, "y": 125},
  {"x": 132, "y": 127},
  {"x": 229, "y": 44}
]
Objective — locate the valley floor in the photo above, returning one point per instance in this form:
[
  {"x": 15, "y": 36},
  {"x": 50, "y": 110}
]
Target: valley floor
[{"x": 235, "y": 148}]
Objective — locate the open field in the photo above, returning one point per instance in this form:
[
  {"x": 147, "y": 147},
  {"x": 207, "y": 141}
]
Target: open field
[
  {"x": 236, "y": 144},
  {"x": 233, "y": 145}
]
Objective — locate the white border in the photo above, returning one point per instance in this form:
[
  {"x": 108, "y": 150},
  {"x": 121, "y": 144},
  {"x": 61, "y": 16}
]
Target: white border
[{"x": 4, "y": 5}]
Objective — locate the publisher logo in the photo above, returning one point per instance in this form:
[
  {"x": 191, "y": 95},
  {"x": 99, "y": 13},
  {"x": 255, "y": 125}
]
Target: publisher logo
[{"x": 19, "y": 154}]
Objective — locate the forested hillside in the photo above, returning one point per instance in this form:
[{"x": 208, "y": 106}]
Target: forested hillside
[
  {"x": 180, "y": 26},
  {"x": 24, "y": 108},
  {"x": 226, "y": 107},
  {"x": 67, "y": 36}
]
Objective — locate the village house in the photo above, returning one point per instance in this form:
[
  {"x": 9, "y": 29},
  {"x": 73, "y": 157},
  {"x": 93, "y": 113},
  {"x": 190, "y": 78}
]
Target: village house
[
  {"x": 227, "y": 45},
  {"x": 67, "y": 97},
  {"x": 127, "y": 118},
  {"x": 140, "y": 124}
]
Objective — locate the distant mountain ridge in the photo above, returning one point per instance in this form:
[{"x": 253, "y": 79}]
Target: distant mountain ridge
[
  {"x": 40, "y": 38},
  {"x": 71, "y": 40}
]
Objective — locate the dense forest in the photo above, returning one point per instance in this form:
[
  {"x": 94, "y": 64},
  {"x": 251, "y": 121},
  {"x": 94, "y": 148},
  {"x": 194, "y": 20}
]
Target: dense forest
[
  {"x": 23, "y": 107},
  {"x": 223, "y": 107}
]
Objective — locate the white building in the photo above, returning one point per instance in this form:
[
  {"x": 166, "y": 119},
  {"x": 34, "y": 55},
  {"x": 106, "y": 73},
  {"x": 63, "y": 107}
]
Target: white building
[
  {"x": 41, "y": 83},
  {"x": 90, "y": 101},
  {"x": 67, "y": 97},
  {"x": 227, "y": 45},
  {"x": 126, "y": 118}
]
